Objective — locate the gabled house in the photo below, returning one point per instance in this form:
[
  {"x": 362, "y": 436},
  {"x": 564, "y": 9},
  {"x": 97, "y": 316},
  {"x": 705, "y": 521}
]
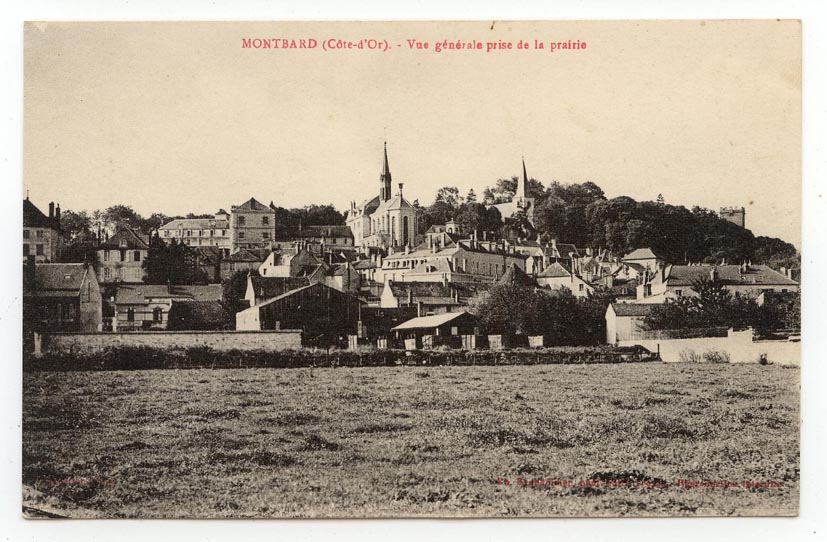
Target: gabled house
[
  {"x": 121, "y": 257},
  {"x": 242, "y": 260},
  {"x": 624, "y": 321},
  {"x": 42, "y": 235},
  {"x": 644, "y": 257},
  {"x": 61, "y": 297},
  {"x": 557, "y": 277}
]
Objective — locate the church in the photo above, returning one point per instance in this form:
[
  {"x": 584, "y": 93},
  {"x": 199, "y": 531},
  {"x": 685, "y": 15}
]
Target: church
[
  {"x": 520, "y": 201},
  {"x": 387, "y": 220}
]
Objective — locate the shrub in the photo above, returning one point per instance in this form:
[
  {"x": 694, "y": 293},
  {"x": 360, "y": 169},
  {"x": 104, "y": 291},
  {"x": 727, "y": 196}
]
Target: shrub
[
  {"x": 716, "y": 356},
  {"x": 689, "y": 356}
]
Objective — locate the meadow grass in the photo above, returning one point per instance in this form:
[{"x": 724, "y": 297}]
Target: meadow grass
[{"x": 557, "y": 440}]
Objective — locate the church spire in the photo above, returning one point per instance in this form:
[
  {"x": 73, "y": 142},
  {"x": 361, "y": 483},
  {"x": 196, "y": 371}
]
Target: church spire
[
  {"x": 385, "y": 178},
  {"x": 522, "y": 184}
]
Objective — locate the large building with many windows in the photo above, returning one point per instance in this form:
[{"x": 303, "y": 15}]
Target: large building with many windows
[{"x": 199, "y": 232}]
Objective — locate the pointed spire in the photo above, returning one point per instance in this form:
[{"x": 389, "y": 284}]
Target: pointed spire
[
  {"x": 522, "y": 184},
  {"x": 386, "y": 170}
]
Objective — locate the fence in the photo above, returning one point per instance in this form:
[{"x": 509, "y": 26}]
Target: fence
[
  {"x": 88, "y": 343},
  {"x": 736, "y": 347}
]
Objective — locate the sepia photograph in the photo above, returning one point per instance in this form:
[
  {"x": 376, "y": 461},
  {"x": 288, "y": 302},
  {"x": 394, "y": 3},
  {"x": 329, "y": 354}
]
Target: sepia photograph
[{"x": 411, "y": 269}]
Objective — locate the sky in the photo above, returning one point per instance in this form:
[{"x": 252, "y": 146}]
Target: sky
[{"x": 179, "y": 117}]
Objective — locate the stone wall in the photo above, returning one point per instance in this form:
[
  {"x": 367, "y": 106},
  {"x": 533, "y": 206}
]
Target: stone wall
[
  {"x": 86, "y": 343},
  {"x": 739, "y": 346}
]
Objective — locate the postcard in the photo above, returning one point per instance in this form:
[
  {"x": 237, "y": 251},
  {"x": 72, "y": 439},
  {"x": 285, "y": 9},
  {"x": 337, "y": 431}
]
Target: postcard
[{"x": 402, "y": 269}]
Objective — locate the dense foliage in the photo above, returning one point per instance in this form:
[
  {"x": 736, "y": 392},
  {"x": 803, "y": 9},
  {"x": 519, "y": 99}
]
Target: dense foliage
[
  {"x": 171, "y": 263},
  {"x": 714, "y": 306},
  {"x": 522, "y": 310}
]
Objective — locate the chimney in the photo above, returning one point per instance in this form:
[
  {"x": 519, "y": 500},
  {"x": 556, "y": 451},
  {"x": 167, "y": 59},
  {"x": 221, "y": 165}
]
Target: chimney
[
  {"x": 57, "y": 214},
  {"x": 407, "y": 249},
  {"x": 51, "y": 209}
]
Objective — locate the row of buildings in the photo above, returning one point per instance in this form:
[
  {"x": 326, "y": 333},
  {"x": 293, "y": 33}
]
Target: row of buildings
[{"x": 364, "y": 279}]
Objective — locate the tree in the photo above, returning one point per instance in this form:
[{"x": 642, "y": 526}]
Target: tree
[
  {"x": 120, "y": 214},
  {"x": 448, "y": 195},
  {"x": 74, "y": 223},
  {"x": 319, "y": 215},
  {"x": 174, "y": 263},
  {"x": 471, "y": 197},
  {"x": 478, "y": 217},
  {"x": 234, "y": 288}
]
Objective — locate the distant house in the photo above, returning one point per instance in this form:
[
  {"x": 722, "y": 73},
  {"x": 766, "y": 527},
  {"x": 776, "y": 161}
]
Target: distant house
[
  {"x": 624, "y": 321},
  {"x": 208, "y": 261},
  {"x": 327, "y": 236},
  {"x": 42, "y": 235},
  {"x": 557, "y": 277},
  {"x": 344, "y": 277},
  {"x": 252, "y": 225},
  {"x": 300, "y": 262},
  {"x": 242, "y": 260},
  {"x": 199, "y": 232},
  {"x": 644, "y": 257},
  {"x": 261, "y": 289},
  {"x": 323, "y": 313},
  {"x": 441, "y": 326},
  {"x": 673, "y": 281},
  {"x": 61, "y": 297},
  {"x": 426, "y": 297},
  {"x": 147, "y": 306},
  {"x": 121, "y": 257}
]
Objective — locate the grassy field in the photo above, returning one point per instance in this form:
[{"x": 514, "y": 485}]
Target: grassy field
[{"x": 562, "y": 440}]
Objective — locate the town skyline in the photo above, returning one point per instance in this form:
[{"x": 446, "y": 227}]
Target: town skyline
[{"x": 176, "y": 122}]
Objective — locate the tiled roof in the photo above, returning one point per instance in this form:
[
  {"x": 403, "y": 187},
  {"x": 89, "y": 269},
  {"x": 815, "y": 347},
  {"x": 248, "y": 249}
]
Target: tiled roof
[
  {"x": 269, "y": 287},
  {"x": 640, "y": 254},
  {"x": 245, "y": 255},
  {"x": 685, "y": 275},
  {"x": 555, "y": 270},
  {"x": 34, "y": 217},
  {"x": 252, "y": 205},
  {"x": 632, "y": 309},
  {"x": 67, "y": 277},
  {"x": 133, "y": 240},
  {"x": 425, "y": 322},
  {"x": 141, "y": 293},
  {"x": 197, "y": 224},
  {"x": 396, "y": 202}
]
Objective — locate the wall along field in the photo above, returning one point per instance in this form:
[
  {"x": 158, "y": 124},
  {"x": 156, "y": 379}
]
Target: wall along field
[{"x": 626, "y": 439}]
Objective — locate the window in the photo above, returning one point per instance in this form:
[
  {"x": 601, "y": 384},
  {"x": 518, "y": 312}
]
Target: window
[
  {"x": 454, "y": 330},
  {"x": 123, "y": 255},
  {"x": 40, "y": 234},
  {"x": 39, "y": 250},
  {"x": 136, "y": 256},
  {"x": 679, "y": 293},
  {"x": 265, "y": 221},
  {"x": 73, "y": 311},
  {"x": 581, "y": 288},
  {"x": 106, "y": 255},
  {"x": 241, "y": 221},
  {"x": 25, "y": 234},
  {"x": 130, "y": 315},
  {"x": 223, "y": 233},
  {"x": 157, "y": 315},
  {"x": 107, "y": 273},
  {"x": 166, "y": 233},
  {"x": 25, "y": 249},
  {"x": 241, "y": 235},
  {"x": 123, "y": 243},
  {"x": 265, "y": 235}
]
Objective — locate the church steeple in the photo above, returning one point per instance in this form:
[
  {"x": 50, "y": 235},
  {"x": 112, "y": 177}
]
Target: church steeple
[
  {"x": 522, "y": 185},
  {"x": 385, "y": 179}
]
